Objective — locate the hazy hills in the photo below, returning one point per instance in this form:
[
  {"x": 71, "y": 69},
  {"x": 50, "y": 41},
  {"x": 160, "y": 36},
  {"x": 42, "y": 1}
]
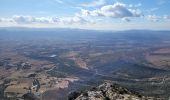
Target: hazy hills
[{"x": 66, "y": 60}]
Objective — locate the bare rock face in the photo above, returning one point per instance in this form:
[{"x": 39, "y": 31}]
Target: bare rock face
[{"x": 109, "y": 91}]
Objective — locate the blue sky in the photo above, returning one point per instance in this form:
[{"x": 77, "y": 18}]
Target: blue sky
[{"x": 87, "y": 14}]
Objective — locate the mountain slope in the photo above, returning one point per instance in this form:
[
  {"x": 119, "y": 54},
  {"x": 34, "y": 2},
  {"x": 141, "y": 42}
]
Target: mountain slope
[{"x": 109, "y": 91}]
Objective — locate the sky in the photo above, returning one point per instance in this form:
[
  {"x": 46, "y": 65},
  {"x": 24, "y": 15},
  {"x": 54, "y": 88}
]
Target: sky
[{"x": 86, "y": 14}]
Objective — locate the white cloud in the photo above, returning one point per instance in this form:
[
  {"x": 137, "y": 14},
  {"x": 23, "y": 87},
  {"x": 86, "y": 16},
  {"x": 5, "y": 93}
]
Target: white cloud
[
  {"x": 152, "y": 10},
  {"x": 43, "y": 20},
  {"x": 6, "y": 20},
  {"x": 59, "y": 1},
  {"x": 56, "y": 20},
  {"x": 30, "y": 20},
  {"x": 117, "y": 10},
  {"x": 71, "y": 20},
  {"x": 135, "y": 6},
  {"x": 126, "y": 19},
  {"x": 23, "y": 19},
  {"x": 95, "y": 3},
  {"x": 166, "y": 17},
  {"x": 80, "y": 22},
  {"x": 153, "y": 18},
  {"x": 101, "y": 16}
]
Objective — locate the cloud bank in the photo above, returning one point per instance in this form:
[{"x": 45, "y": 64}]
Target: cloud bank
[
  {"x": 99, "y": 15},
  {"x": 117, "y": 10},
  {"x": 23, "y": 20}
]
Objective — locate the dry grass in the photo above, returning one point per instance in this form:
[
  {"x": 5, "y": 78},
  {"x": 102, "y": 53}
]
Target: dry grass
[{"x": 159, "y": 58}]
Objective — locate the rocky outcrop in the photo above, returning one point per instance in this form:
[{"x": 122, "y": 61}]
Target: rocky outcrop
[
  {"x": 29, "y": 96},
  {"x": 109, "y": 91}
]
